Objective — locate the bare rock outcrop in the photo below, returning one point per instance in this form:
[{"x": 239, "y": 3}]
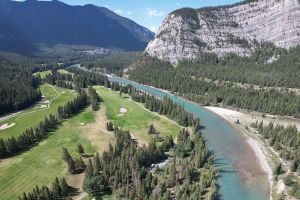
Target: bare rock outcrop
[{"x": 188, "y": 33}]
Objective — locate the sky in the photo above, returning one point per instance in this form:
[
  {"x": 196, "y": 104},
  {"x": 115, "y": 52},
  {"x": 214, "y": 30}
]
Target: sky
[{"x": 148, "y": 13}]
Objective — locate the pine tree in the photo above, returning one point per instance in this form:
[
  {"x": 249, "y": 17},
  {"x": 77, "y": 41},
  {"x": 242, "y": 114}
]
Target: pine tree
[
  {"x": 80, "y": 149},
  {"x": 64, "y": 187},
  {"x": 89, "y": 169},
  {"x": 97, "y": 163},
  {"x": 151, "y": 129},
  {"x": 173, "y": 170},
  {"x": 56, "y": 189},
  {"x": 66, "y": 156}
]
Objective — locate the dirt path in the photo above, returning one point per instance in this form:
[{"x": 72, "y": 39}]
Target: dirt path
[{"x": 22, "y": 112}]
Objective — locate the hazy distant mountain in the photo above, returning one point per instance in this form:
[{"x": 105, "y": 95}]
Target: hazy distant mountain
[{"x": 25, "y": 26}]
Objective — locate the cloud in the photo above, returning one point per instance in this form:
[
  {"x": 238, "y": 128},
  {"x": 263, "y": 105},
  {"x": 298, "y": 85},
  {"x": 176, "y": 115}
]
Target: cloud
[
  {"x": 178, "y": 4},
  {"x": 129, "y": 12},
  {"x": 118, "y": 11},
  {"x": 154, "y": 13},
  {"x": 153, "y": 28}
]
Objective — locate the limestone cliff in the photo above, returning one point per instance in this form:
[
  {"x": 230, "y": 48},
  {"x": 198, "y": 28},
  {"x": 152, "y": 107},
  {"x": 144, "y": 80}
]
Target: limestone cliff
[{"x": 188, "y": 33}]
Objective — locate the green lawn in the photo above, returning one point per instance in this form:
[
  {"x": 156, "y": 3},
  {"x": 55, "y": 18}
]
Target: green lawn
[
  {"x": 43, "y": 163},
  {"x": 42, "y": 74},
  {"x": 32, "y": 116},
  {"x": 137, "y": 119}
]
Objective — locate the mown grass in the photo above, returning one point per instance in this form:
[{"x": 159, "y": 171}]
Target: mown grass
[
  {"x": 32, "y": 116},
  {"x": 42, "y": 74},
  {"x": 137, "y": 119},
  {"x": 43, "y": 163}
]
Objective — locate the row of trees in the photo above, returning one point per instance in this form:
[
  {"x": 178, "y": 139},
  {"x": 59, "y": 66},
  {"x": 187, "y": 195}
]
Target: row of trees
[
  {"x": 83, "y": 78},
  {"x": 32, "y": 136},
  {"x": 285, "y": 140},
  {"x": 94, "y": 98},
  {"x": 208, "y": 93},
  {"x": 59, "y": 190},
  {"x": 163, "y": 107}
]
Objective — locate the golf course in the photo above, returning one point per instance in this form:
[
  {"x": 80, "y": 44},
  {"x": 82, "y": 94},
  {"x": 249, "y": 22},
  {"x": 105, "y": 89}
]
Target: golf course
[{"x": 42, "y": 163}]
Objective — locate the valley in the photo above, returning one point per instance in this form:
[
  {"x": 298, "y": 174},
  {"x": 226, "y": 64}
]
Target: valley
[{"x": 198, "y": 101}]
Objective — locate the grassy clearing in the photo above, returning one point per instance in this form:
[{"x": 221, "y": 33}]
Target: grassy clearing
[
  {"x": 32, "y": 116},
  {"x": 137, "y": 119},
  {"x": 62, "y": 71},
  {"x": 42, "y": 74},
  {"x": 43, "y": 163}
]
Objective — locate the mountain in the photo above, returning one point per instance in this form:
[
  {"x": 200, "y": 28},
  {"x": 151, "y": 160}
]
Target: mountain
[
  {"x": 26, "y": 26},
  {"x": 189, "y": 33}
]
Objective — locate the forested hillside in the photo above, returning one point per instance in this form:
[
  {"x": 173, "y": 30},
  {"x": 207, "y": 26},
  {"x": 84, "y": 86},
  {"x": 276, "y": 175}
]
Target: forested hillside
[
  {"x": 195, "y": 80},
  {"x": 17, "y": 85}
]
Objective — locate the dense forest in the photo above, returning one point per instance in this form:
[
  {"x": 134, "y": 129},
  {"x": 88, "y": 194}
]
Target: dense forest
[
  {"x": 127, "y": 171},
  {"x": 161, "y": 74},
  {"x": 114, "y": 62},
  {"x": 257, "y": 70},
  {"x": 18, "y": 88}
]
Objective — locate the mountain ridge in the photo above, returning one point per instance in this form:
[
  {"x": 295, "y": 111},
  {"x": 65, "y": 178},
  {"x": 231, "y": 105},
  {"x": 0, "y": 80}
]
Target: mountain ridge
[
  {"x": 189, "y": 33},
  {"x": 25, "y": 26}
]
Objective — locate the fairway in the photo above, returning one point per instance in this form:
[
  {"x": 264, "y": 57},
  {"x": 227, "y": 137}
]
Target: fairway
[
  {"x": 43, "y": 163},
  {"x": 43, "y": 74},
  {"x": 32, "y": 116},
  {"x": 136, "y": 119}
]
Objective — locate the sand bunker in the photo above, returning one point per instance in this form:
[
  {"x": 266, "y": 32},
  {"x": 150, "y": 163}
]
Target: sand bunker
[
  {"x": 6, "y": 126},
  {"x": 123, "y": 110}
]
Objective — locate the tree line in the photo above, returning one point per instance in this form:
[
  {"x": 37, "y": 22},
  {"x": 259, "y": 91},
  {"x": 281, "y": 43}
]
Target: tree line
[
  {"x": 32, "y": 136},
  {"x": 159, "y": 74},
  {"x": 285, "y": 140},
  {"x": 94, "y": 98},
  {"x": 268, "y": 66},
  {"x": 165, "y": 106},
  {"x": 18, "y": 88},
  {"x": 59, "y": 190}
]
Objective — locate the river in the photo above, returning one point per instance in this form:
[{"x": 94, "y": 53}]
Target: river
[{"x": 242, "y": 177}]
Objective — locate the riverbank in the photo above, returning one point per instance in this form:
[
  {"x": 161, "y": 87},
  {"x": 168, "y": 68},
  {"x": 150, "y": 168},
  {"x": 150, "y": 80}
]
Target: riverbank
[
  {"x": 248, "y": 181},
  {"x": 261, "y": 153},
  {"x": 241, "y": 120}
]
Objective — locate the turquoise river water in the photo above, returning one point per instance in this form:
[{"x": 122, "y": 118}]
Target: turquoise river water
[{"x": 241, "y": 177}]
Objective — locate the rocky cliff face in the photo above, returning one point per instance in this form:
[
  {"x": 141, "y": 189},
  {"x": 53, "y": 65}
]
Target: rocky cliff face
[{"x": 188, "y": 33}]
